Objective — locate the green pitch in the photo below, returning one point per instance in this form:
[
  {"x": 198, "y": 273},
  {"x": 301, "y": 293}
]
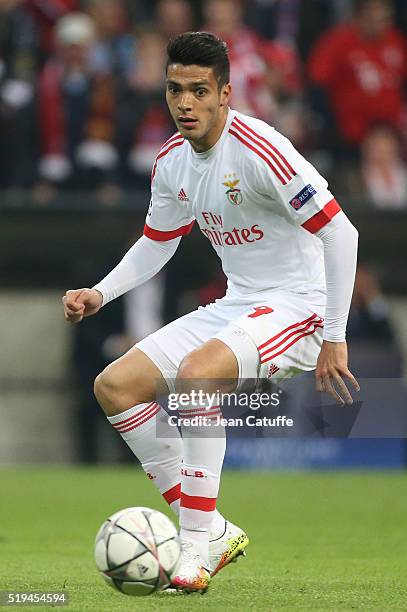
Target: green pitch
[{"x": 321, "y": 541}]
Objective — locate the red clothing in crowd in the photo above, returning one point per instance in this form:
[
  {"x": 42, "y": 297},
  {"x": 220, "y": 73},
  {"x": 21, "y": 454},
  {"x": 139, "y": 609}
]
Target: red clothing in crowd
[
  {"x": 46, "y": 14},
  {"x": 363, "y": 77},
  {"x": 247, "y": 68}
]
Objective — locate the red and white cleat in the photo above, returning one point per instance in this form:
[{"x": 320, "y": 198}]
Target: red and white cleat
[{"x": 192, "y": 576}]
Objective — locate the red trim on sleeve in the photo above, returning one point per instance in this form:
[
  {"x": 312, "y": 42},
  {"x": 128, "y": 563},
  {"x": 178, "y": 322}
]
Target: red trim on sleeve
[
  {"x": 321, "y": 218},
  {"x": 163, "y": 236},
  {"x": 194, "y": 502}
]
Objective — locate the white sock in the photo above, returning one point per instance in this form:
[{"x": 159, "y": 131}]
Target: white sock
[
  {"x": 200, "y": 477},
  {"x": 218, "y": 525},
  {"x": 159, "y": 455}
]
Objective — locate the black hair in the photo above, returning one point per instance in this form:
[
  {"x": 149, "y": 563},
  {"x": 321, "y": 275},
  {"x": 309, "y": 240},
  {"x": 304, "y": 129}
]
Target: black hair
[{"x": 202, "y": 49}]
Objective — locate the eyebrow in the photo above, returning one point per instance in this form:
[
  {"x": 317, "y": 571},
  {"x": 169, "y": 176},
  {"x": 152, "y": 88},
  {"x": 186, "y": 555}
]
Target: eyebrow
[{"x": 196, "y": 83}]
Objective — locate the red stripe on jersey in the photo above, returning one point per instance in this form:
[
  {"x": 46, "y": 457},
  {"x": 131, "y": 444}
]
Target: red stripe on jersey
[
  {"x": 168, "y": 235},
  {"x": 313, "y": 316},
  {"x": 125, "y": 422},
  {"x": 175, "y": 136},
  {"x": 308, "y": 333},
  {"x": 281, "y": 156},
  {"x": 163, "y": 152},
  {"x": 266, "y": 159},
  {"x": 172, "y": 494},
  {"x": 264, "y": 148},
  {"x": 321, "y": 218},
  {"x": 295, "y": 332},
  {"x": 194, "y": 502}
]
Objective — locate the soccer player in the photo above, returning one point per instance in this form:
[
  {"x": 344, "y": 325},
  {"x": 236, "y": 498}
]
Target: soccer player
[{"x": 289, "y": 253}]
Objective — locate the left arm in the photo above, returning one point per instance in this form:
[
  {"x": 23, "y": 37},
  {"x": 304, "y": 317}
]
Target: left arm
[
  {"x": 340, "y": 239},
  {"x": 302, "y": 197}
]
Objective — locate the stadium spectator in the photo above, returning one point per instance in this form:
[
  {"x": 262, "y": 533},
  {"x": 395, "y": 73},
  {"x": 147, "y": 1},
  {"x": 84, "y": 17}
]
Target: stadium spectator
[
  {"x": 375, "y": 342},
  {"x": 286, "y": 20},
  {"x": 362, "y": 67},
  {"x": 401, "y": 15},
  {"x": 369, "y": 316},
  {"x": 281, "y": 102},
  {"x": 18, "y": 62},
  {"x": 381, "y": 178},
  {"x": 173, "y": 17},
  {"x": 114, "y": 51},
  {"x": 46, "y": 13},
  {"x": 77, "y": 112},
  {"x": 144, "y": 121},
  {"x": 262, "y": 17},
  {"x": 225, "y": 19},
  {"x": 314, "y": 17}
]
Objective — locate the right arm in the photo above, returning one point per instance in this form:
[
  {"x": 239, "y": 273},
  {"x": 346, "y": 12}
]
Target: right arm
[
  {"x": 141, "y": 262},
  {"x": 167, "y": 221}
]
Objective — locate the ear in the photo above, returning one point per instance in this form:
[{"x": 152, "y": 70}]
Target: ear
[{"x": 225, "y": 94}]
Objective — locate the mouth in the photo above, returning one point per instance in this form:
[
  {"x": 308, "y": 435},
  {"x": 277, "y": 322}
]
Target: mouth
[{"x": 188, "y": 122}]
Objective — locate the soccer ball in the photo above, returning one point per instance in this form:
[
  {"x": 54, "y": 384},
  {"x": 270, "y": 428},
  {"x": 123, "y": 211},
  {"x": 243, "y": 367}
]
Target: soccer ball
[{"x": 137, "y": 551}]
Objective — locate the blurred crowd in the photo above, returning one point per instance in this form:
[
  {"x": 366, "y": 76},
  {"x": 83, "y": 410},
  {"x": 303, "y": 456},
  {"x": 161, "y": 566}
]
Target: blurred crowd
[{"x": 82, "y": 88}]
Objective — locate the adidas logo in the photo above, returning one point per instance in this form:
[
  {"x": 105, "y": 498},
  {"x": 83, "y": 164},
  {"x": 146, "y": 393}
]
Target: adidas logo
[
  {"x": 272, "y": 370},
  {"x": 182, "y": 196}
]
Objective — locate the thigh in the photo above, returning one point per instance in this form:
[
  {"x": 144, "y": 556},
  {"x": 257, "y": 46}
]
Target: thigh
[
  {"x": 168, "y": 346},
  {"x": 286, "y": 331},
  {"x": 132, "y": 379}
]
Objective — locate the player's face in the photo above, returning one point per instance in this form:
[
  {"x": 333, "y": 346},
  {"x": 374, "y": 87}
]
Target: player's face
[{"x": 197, "y": 104}]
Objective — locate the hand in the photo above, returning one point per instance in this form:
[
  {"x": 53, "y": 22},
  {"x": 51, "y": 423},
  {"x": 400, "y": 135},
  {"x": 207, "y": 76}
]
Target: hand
[
  {"x": 80, "y": 303},
  {"x": 332, "y": 365}
]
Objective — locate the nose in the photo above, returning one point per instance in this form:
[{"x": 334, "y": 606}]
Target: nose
[{"x": 185, "y": 102}]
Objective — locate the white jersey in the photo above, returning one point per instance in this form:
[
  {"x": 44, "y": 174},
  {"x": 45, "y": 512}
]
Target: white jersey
[{"x": 255, "y": 198}]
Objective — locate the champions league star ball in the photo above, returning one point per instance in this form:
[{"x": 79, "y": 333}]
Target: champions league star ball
[{"x": 137, "y": 551}]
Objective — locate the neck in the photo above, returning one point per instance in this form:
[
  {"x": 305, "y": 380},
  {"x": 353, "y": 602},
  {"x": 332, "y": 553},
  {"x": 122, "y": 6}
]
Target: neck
[{"x": 210, "y": 139}]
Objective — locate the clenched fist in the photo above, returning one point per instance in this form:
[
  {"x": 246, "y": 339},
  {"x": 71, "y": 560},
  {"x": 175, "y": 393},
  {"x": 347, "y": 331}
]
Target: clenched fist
[{"x": 80, "y": 303}]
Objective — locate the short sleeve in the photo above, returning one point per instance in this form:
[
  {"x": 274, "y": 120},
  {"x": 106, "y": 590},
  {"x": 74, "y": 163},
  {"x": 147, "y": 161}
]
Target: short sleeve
[
  {"x": 167, "y": 218},
  {"x": 293, "y": 187}
]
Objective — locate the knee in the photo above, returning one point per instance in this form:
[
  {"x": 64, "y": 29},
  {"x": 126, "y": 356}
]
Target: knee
[
  {"x": 196, "y": 373},
  {"x": 105, "y": 386},
  {"x": 213, "y": 366},
  {"x": 112, "y": 394},
  {"x": 191, "y": 372}
]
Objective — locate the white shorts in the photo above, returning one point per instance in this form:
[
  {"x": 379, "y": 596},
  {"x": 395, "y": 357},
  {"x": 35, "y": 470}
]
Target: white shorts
[{"x": 277, "y": 336}]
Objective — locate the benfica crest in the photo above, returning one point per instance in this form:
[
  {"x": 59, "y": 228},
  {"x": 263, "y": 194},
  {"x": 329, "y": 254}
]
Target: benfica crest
[{"x": 233, "y": 194}]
